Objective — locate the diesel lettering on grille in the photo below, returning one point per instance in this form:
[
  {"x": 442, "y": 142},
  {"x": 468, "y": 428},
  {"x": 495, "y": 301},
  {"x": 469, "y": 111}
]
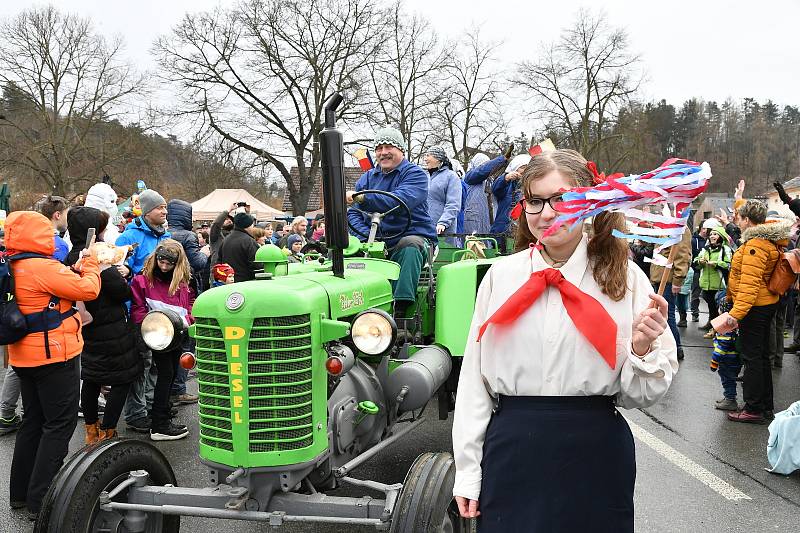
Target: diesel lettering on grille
[{"x": 235, "y": 369}]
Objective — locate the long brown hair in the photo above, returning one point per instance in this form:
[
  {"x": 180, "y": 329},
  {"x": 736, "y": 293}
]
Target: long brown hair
[
  {"x": 180, "y": 274},
  {"x": 607, "y": 254}
]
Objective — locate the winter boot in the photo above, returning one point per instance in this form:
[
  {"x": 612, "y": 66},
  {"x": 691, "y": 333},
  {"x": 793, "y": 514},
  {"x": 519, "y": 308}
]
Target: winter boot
[
  {"x": 92, "y": 433},
  {"x": 682, "y": 321},
  {"x": 106, "y": 434}
]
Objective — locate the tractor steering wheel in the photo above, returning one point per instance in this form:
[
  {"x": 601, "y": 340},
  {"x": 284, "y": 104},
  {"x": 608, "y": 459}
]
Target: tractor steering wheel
[{"x": 378, "y": 217}]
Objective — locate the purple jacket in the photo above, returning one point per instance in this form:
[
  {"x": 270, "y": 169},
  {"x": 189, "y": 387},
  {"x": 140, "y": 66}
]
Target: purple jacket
[{"x": 147, "y": 298}]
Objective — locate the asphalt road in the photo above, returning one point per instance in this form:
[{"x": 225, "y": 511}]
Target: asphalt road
[{"x": 696, "y": 471}]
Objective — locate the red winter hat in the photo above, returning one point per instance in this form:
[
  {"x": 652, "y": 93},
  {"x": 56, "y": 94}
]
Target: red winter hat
[{"x": 222, "y": 271}]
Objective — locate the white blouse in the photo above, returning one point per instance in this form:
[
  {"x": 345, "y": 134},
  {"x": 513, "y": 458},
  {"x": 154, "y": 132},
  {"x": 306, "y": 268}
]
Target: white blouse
[{"x": 544, "y": 354}]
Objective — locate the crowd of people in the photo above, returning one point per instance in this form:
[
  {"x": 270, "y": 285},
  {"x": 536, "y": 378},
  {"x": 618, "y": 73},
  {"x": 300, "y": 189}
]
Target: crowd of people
[
  {"x": 728, "y": 263},
  {"x": 88, "y": 358}
]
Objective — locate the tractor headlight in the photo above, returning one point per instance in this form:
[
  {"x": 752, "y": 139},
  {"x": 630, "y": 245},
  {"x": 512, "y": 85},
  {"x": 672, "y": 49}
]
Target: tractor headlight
[
  {"x": 373, "y": 332},
  {"x": 160, "y": 329}
]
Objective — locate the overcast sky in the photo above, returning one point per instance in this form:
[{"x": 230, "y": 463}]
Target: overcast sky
[{"x": 712, "y": 49}]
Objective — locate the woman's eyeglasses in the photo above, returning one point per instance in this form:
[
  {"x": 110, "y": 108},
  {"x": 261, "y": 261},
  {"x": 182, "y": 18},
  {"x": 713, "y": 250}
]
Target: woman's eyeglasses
[{"x": 534, "y": 206}]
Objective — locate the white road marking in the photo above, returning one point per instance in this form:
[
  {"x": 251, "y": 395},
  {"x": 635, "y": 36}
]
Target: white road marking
[{"x": 687, "y": 465}]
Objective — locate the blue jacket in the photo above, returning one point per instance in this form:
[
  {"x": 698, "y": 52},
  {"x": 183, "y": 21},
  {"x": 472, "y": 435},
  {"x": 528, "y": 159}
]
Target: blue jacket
[
  {"x": 179, "y": 223},
  {"x": 783, "y": 445},
  {"x": 62, "y": 249},
  {"x": 146, "y": 237},
  {"x": 460, "y": 217},
  {"x": 507, "y": 194},
  {"x": 444, "y": 198},
  {"x": 407, "y": 181},
  {"x": 476, "y": 206}
]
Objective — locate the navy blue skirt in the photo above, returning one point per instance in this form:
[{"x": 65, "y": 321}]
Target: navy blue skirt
[{"x": 557, "y": 464}]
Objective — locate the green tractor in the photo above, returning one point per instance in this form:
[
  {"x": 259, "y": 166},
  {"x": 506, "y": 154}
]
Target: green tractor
[{"x": 303, "y": 376}]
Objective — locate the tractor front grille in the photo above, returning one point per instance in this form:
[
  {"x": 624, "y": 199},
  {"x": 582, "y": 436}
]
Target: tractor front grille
[
  {"x": 279, "y": 384},
  {"x": 214, "y": 386}
]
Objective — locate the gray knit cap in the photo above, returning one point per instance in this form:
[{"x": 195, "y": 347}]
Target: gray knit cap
[
  {"x": 149, "y": 200},
  {"x": 390, "y": 136}
]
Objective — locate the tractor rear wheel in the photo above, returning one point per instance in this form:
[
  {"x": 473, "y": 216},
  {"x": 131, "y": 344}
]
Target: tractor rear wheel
[
  {"x": 426, "y": 503},
  {"x": 72, "y": 502}
]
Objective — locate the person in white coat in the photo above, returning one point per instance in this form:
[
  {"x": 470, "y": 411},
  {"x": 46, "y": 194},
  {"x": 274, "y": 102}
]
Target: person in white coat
[
  {"x": 564, "y": 330},
  {"x": 102, "y": 196}
]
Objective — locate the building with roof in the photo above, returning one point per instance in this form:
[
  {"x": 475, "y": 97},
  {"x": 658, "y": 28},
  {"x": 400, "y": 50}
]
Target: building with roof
[{"x": 708, "y": 205}]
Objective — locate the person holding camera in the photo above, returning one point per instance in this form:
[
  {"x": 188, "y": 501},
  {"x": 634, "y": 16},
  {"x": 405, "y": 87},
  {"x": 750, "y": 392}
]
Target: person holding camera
[{"x": 46, "y": 359}]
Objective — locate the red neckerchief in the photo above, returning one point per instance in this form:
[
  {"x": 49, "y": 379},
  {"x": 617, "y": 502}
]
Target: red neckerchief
[{"x": 588, "y": 315}]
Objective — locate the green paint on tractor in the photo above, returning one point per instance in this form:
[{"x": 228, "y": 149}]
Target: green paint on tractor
[{"x": 260, "y": 367}]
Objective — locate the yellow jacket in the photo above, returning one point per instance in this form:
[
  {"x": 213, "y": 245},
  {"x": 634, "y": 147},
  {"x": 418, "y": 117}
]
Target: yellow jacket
[{"x": 752, "y": 266}]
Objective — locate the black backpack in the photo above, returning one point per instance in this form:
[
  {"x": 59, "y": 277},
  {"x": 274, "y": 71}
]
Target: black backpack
[{"x": 13, "y": 324}]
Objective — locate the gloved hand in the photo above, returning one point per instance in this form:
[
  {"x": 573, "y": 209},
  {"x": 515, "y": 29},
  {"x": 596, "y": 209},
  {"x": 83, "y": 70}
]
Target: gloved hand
[{"x": 781, "y": 192}]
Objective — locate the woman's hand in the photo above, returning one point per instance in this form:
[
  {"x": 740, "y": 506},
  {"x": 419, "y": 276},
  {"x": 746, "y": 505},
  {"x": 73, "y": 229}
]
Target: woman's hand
[
  {"x": 467, "y": 508},
  {"x": 649, "y": 325},
  {"x": 723, "y": 217},
  {"x": 123, "y": 270}
]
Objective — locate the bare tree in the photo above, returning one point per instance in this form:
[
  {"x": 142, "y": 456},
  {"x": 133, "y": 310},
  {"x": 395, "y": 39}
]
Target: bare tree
[
  {"x": 580, "y": 82},
  {"x": 408, "y": 79},
  {"x": 61, "y": 82},
  {"x": 470, "y": 115},
  {"x": 258, "y": 73}
]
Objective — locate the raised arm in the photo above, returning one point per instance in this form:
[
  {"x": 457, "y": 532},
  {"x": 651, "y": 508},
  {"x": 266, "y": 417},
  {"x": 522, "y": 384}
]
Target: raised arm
[
  {"x": 794, "y": 204},
  {"x": 480, "y": 173},
  {"x": 61, "y": 281}
]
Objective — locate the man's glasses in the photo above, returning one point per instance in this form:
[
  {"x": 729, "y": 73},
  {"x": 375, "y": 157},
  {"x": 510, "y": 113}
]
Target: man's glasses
[{"x": 534, "y": 206}]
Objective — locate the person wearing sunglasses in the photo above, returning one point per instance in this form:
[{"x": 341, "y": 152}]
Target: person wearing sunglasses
[{"x": 164, "y": 284}]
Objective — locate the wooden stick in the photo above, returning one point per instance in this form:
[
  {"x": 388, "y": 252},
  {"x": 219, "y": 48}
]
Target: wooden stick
[{"x": 667, "y": 269}]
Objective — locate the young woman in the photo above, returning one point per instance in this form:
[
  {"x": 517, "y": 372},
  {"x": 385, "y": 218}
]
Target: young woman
[
  {"x": 109, "y": 354},
  {"x": 714, "y": 260},
  {"x": 319, "y": 231},
  {"x": 164, "y": 284},
  {"x": 559, "y": 336}
]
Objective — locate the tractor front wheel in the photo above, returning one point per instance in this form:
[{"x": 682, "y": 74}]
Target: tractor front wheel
[
  {"x": 72, "y": 502},
  {"x": 426, "y": 502}
]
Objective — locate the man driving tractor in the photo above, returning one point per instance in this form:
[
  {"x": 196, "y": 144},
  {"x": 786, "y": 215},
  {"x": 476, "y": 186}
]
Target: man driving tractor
[{"x": 407, "y": 243}]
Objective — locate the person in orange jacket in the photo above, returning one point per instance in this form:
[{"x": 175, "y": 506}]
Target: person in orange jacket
[{"x": 45, "y": 361}]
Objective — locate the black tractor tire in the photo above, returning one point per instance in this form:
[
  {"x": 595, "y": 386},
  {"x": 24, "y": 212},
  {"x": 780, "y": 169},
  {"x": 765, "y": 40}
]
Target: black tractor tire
[
  {"x": 72, "y": 502},
  {"x": 426, "y": 503}
]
